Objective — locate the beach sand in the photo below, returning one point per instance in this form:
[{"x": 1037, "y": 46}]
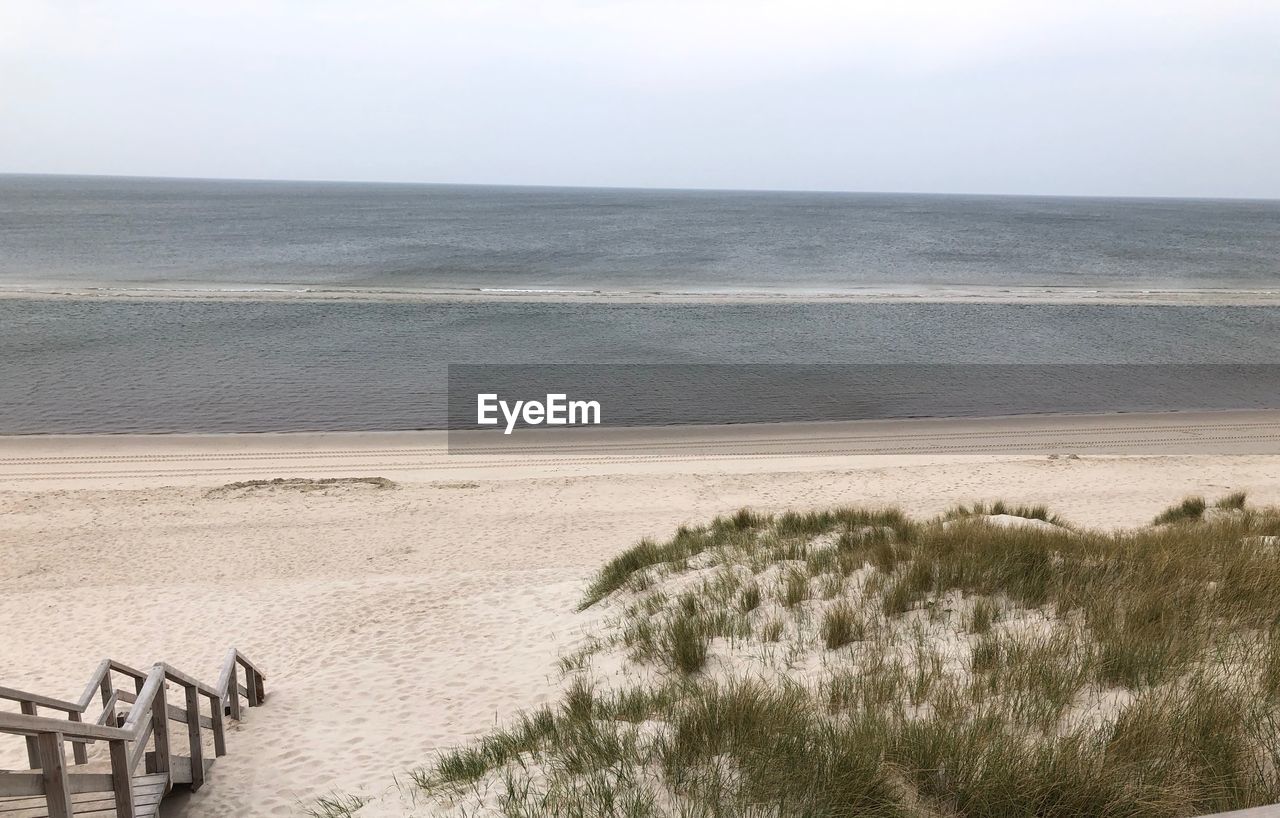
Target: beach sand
[{"x": 395, "y": 621}]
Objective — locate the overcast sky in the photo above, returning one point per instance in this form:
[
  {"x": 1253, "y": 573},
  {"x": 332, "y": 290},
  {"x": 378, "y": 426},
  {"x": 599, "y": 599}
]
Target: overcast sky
[{"x": 1026, "y": 96}]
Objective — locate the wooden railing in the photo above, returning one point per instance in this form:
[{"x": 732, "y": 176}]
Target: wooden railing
[{"x": 149, "y": 712}]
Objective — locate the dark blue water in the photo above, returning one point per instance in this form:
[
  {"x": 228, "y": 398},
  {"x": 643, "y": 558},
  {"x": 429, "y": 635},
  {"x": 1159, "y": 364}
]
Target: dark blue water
[
  {"x": 112, "y": 232},
  {"x": 183, "y": 366}
]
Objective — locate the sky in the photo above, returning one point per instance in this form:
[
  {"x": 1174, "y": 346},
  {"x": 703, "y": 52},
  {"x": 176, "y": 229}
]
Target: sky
[{"x": 1074, "y": 97}]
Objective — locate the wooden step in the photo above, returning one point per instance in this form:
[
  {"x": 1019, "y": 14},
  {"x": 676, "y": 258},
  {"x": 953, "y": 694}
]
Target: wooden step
[
  {"x": 148, "y": 790},
  {"x": 84, "y": 789},
  {"x": 180, "y": 767}
]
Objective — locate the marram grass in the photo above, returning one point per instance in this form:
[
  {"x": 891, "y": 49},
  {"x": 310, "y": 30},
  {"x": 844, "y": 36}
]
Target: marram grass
[{"x": 858, "y": 663}]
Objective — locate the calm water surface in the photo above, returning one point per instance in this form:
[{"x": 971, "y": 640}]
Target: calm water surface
[
  {"x": 113, "y": 232},
  {"x": 168, "y": 366},
  {"x": 117, "y": 366}
]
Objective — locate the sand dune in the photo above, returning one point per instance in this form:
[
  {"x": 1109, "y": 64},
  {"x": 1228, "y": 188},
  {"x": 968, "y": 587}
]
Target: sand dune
[{"x": 395, "y": 620}]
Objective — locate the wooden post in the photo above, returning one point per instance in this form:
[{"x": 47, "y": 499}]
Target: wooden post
[
  {"x": 160, "y": 732},
  {"x": 251, "y": 684},
  {"x": 233, "y": 692},
  {"x": 193, "y": 737},
  {"x": 219, "y": 727},
  {"x": 259, "y": 691},
  {"x": 121, "y": 780},
  {"x": 78, "y": 751},
  {"x": 33, "y": 746},
  {"x": 57, "y": 790},
  {"x": 105, "y": 687}
]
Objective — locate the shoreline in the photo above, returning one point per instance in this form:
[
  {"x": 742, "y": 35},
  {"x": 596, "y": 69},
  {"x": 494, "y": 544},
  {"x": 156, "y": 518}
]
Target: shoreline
[
  {"x": 207, "y": 459},
  {"x": 869, "y": 295},
  {"x": 608, "y": 434}
]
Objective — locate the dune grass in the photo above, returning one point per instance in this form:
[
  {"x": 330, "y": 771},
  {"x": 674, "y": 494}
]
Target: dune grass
[
  {"x": 337, "y": 805},
  {"x": 1235, "y": 501},
  {"x": 998, "y": 507},
  {"x": 856, "y": 662},
  {"x": 1191, "y": 509}
]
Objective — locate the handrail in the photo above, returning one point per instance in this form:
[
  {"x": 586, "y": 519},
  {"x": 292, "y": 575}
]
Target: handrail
[
  {"x": 35, "y": 698},
  {"x": 175, "y": 675},
  {"x": 146, "y": 697},
  {"x": 95, "y": 683},
  {"x": 233, "y": 658},
  {"x": 109, "y": 707},
  {"x": 25, "y": 725},
  {"x": 148, "y": 717}
]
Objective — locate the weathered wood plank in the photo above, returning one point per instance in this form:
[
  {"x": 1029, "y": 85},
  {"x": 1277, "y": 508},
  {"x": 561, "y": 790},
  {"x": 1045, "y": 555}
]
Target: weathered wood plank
[
  {"x": 89, "y": 804},
  {"x": 252, "y": 684},
  {"x": 20, "y": 785},
  {"x": 99, "y": 680},
  {"x": 160, "y": 728},
  {"x": 78, "y": 751},
  {"x": 108, "y": 714},
  {"x": 17, "y": 785},
  {"x": 33, "y": 747},
  {"x": 175, "y": 675},
  {"x": 175, "y": 713},
  {"x": 228, "y": 669},
  {"x": 140, "y": 746},
  {"x": 53, "y": 765},
  {"x": 249, "y": 665},
  {"x": 122, "y": 779},
  {"x": 219, "y": 728},
  {"x": 44, "y": 701},
  {"x": 25, "y": 724},
  {"x": 233, "y": 692},
  {"x": 144, "y": 701},
  {"x": 121, "y": 667},
  {"x": 193, "y": 737}
]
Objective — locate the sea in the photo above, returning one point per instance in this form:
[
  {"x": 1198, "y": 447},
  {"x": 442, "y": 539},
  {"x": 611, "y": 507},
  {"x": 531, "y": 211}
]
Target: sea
[{"x": 97, "y": 364}]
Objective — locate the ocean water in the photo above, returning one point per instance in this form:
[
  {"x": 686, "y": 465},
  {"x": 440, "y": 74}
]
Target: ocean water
[
  {"x": 106, "y": 365},
  {"x": 218, "y": 366},
  {"x": 158, "y": 234}
]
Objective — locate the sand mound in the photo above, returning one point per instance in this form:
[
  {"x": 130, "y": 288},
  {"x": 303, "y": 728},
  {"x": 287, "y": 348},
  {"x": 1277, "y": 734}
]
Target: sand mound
[
  {"x": 326, "y": 485},
  {"x": 1008, "y": 521}
]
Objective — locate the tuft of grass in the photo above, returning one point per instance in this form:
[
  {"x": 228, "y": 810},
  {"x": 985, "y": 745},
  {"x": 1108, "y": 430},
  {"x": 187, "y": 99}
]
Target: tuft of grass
[
  {"x": 779, "y": 751},
  {"x": 337, "y": 805},
  {"x": 685, "y": 643},
  {"x": 687, "y": 543},
  {"x": 1235, "y": 501},
  {"x": 841, "y": 624},
  {"x": 795, "y": 587},
  {"x": 898, "y": 598},
  {"x": 985, "y": 612},
  {"x": 1191, "y": 509},
  {"x": 1269, "y": 683},
  {"x": 771, "y": 631},
  {"x": 1000, "y": 507}
]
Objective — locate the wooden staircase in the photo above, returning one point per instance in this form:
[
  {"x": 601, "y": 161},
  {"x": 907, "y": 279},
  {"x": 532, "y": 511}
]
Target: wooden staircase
[{"x": 141, "y": 763}]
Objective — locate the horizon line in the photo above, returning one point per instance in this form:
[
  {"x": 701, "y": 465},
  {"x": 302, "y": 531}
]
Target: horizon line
[{"x": 653, "y": 188}]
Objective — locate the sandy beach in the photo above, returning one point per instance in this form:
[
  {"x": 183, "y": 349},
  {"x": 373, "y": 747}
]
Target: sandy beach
[{"x": 395, "y": 621}]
